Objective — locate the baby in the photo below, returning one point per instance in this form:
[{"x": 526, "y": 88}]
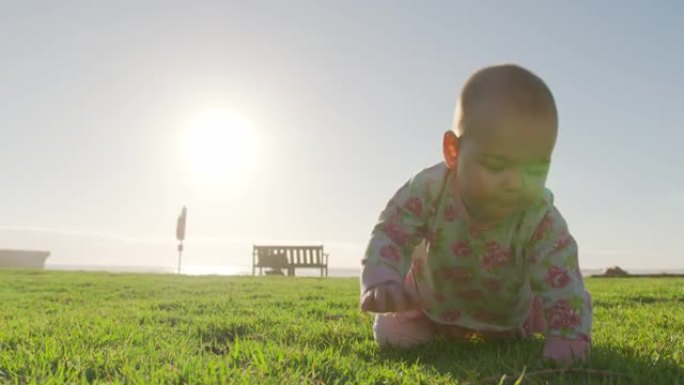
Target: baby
[{"x": 474, "y": 245}]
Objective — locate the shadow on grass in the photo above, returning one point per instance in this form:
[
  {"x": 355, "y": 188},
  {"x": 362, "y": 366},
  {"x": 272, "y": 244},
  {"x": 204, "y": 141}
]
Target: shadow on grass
[{"x": 477, "y": 362}]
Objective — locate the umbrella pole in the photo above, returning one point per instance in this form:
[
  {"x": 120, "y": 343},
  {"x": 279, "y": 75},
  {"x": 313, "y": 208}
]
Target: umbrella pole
[{"x": 180, "y": 253}]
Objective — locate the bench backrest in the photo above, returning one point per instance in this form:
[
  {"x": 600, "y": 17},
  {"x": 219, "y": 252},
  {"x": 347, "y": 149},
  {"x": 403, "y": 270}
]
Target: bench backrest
[
  {"x": 296, "y": 255},
  {"x": 269, "y": 258}
]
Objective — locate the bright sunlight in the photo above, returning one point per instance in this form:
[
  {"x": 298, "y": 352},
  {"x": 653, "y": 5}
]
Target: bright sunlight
[{"x": 219, "y": 146}]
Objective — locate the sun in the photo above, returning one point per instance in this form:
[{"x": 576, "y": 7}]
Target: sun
[{"x": 219, "y": 146}]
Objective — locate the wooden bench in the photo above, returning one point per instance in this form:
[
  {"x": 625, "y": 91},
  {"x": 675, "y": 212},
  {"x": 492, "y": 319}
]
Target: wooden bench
[{"x": 289, "y": 257}]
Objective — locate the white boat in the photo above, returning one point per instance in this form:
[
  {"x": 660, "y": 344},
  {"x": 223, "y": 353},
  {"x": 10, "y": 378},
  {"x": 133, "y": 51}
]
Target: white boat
[{"x": 34, "y": 259}]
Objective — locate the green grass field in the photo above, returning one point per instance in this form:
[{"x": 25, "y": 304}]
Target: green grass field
[{"x": 71, "y": 327}]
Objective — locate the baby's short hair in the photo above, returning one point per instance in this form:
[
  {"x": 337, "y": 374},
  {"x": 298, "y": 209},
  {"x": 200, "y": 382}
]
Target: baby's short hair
[{"x": 510, "y": 84}]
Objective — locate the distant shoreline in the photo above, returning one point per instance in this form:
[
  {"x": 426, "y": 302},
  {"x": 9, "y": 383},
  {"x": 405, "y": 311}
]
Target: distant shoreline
[
  {"x": 242, "y": 270},
  {"x": 656, "y": 275},
  {"x": 196, "y": 270}
]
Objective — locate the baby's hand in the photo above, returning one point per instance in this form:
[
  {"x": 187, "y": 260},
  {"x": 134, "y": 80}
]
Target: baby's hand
[
  {"x": 391, "y": 297},
  {"x": 564, "y": 351}
]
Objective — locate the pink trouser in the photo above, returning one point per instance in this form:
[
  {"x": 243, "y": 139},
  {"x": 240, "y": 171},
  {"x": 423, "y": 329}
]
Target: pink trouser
[{"x": 414, "y": 328}]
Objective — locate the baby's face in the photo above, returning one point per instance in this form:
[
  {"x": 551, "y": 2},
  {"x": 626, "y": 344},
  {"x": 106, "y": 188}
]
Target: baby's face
[{"x": 503, "y": 163}]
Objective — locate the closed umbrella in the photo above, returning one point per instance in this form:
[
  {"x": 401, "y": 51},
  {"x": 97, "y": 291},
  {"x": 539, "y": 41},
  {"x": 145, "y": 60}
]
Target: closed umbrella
[{"x": 180, "y": 234}]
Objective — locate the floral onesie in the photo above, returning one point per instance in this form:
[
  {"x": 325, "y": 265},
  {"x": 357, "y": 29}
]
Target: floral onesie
[{"x": 479, "y": 279}]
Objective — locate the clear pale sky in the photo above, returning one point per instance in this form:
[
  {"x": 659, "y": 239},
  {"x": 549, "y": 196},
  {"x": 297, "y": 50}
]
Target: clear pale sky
[{"x": 345, "y": 101}]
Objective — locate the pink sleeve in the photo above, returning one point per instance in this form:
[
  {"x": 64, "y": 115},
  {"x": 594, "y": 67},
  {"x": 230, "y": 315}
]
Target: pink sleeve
[
  {"x": 374, "y": 275},
  {"x": 402, "y": 225},
  {"x": 556, "y": 278}
]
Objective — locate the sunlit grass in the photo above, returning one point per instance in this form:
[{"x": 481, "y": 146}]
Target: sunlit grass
[{"x": 70, "y": 327}]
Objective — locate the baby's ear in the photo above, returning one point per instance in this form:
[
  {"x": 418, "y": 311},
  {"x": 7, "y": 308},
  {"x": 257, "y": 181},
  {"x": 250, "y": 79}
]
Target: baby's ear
[{"x": 450, "y": 147}]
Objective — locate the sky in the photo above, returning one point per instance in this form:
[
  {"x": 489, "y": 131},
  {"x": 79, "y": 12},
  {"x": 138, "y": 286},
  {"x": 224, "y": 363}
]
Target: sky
[{"x": 325, "y": 109}]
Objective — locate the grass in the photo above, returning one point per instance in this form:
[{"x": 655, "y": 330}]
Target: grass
[{"x": 74, "y": 327}]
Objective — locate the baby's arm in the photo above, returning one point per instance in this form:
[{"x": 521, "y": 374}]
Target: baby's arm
[
  {"x": 388, "y": 256},
  {"x": 556, "y": 278}
]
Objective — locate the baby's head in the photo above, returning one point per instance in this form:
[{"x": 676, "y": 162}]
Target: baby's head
[{"x": 501, "y": 143}]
